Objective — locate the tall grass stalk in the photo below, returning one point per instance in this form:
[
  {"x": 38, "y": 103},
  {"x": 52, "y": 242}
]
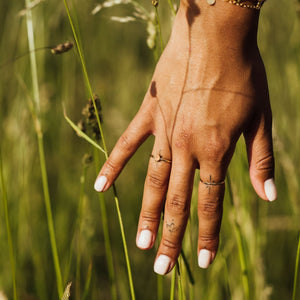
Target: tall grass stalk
[
  {"x": 124, "y": 243},
  {"x": 8, "y": 230},
  {"x": 159, "y": 278},
  {"x": 160, "y": 289},
  {"x": 180, "y": 279},
  {"x": 79, "y": 229},
  {"x": 296, "y": 268},
  {"x": 39, "y": 133},
  {"x": 171, "y": 4},
  {"x": 158, "y": 24},
  {"x": 107, "y": 244},
  {"x": 33, "y": 66},
  {"x": 188, "y": 269},
  {"x": 226, "y": 278},
  {"x": 173, "y": 283},
  {"x": 239, "y": 239},
  {"x": 88, "y": 282},
  {"x": 85, "y": 74},
  {"x": 89, "y": 87}
]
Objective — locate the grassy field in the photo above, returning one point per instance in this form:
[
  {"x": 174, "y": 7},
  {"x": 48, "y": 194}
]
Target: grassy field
[{"x": 259, "y": 241}]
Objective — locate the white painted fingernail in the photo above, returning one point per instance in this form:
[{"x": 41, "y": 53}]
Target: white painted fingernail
[
  {"x": 270, "y": 189},
  {"x": 145, "y": 239},
  {"x": 162, "y": 264},
  {"x": 100, "y": 183},
  {"x": 204, "y": 258}
]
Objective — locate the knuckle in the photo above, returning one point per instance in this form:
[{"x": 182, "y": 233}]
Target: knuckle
[
  {"x": 183, "y": 140},
  {"x": 207, "y": 237},
  {"x": 167, "y": 243},
  {"x": 210, "y": 209},
  {"x": 177, "y": 204},
  {"x": 150, "y": 217},
  {"x": 124, "y": 143},
  {"x": 210, "y": 241},
  {"x": 111, "y": 166},
  {"x": 216, "y": 147},
  {"x": 266, "y": 163},
  {"x": 156, "y": 181}
]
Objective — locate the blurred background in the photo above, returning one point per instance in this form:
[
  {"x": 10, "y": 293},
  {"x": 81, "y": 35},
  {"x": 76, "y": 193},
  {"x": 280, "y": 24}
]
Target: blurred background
[{"x": 258, "y": 246}]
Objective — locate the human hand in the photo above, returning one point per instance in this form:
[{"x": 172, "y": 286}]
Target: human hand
[{"x": 209, "y": 87}]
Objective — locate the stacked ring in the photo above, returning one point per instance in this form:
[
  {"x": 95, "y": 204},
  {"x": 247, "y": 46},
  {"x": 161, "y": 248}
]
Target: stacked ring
[{"x": 159, "y": 157}]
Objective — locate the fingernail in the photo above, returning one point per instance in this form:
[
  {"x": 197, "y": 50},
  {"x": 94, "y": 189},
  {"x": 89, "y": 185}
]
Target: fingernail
[
  {"x": 100, "y": 183},
  {"x": 270, "y": 189},
  {"x": 162, "y": 264},
  {"x": 204, "y": 258},
  {"x": 145, "y": 239}
]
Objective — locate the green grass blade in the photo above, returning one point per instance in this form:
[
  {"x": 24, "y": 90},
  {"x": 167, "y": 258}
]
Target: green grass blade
[
  {"x": 8, "y": 230},
  {"x": 89, "y": 87},
  {"x": 188, "y": 269},
  {"x": 33, "y": 66},
  {"x": 160, "y": 279},
  {"x": 296, "y": 268},
  {"x": 239, "y": 239},
  {"x": 82, "y": 134},
  {"x": 171, "y": 4},
  {"x": 85, "y": 74},
  {"x": 107, "y": 244},
  {"x": 79, "y": 231},
  {"x": 88, "y": 282},
  {"x": 181, "y": 294},
  {"x": 160, "y": 291},
  {"x": 124, "y": 244},
  {"x": 158, "y": 24},
  {"x": 30, "y": 36},
  {"x": 173, "y": 281},
  {"x": 49, "y": 215}
]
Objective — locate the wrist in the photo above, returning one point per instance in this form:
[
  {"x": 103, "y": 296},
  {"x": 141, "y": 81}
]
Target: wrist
[{"x": 222, "y": 24}]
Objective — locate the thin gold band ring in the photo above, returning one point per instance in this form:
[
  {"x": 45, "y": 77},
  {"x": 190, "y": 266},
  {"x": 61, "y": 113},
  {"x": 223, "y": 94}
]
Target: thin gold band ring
[
  {"x": 159, "y": 157},
  {"x": 212, "y": 182}
]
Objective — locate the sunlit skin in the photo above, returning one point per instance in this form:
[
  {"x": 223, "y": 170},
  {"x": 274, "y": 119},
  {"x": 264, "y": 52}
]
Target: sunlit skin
[{"x": 209, "y": 88}]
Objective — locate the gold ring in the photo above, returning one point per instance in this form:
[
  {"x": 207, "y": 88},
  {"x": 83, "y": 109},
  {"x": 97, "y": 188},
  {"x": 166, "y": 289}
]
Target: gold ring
[
  {"x": 212, "y": 182},
  {"x": 159, "y": 157}
]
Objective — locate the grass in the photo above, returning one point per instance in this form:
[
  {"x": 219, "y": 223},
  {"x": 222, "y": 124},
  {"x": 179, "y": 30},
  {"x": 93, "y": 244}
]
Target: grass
[
  {"x": 35, "y": 108},
  {"x": 258, "y": 247},
  {"x": 8, "y": 230}
]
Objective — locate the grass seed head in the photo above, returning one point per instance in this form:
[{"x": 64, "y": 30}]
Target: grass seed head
[
  {"x": 88, "y": 124},
  {"x": 62, "y": 48},
  {"x": 155, "y": 3},
  {"x": 67, "y": 292},
  {"x": 87, "y": 159}
]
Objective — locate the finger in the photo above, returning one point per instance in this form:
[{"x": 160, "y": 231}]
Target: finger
[
  {"x": 136, "y": 133},
  {"x": 210, "y": 208},
  {"x": 177, "y": 209},
  {"x": 261, "y": 159},
  {"x": 155, "y": 190}
]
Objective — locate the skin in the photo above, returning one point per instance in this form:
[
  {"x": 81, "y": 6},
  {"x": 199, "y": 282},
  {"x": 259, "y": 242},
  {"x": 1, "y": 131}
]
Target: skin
[{"x": 209, "y": 88}]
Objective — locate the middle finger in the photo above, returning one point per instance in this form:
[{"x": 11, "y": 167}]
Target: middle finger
[{"x": 155, "y": 190}]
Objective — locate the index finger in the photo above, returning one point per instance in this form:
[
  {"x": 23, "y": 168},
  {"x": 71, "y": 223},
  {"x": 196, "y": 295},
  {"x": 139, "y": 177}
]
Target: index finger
[{"x": 136, "y": 133}]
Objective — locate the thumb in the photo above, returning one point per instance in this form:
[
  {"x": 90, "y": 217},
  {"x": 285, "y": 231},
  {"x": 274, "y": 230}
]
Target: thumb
[{"x": 261, "y": 160}]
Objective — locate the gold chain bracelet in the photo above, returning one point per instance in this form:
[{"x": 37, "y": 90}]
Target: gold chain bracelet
[{"x": 256, "y": 4}]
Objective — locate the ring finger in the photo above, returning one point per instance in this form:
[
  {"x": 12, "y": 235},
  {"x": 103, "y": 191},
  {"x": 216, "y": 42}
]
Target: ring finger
[{"x": 176, "y": 213}]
